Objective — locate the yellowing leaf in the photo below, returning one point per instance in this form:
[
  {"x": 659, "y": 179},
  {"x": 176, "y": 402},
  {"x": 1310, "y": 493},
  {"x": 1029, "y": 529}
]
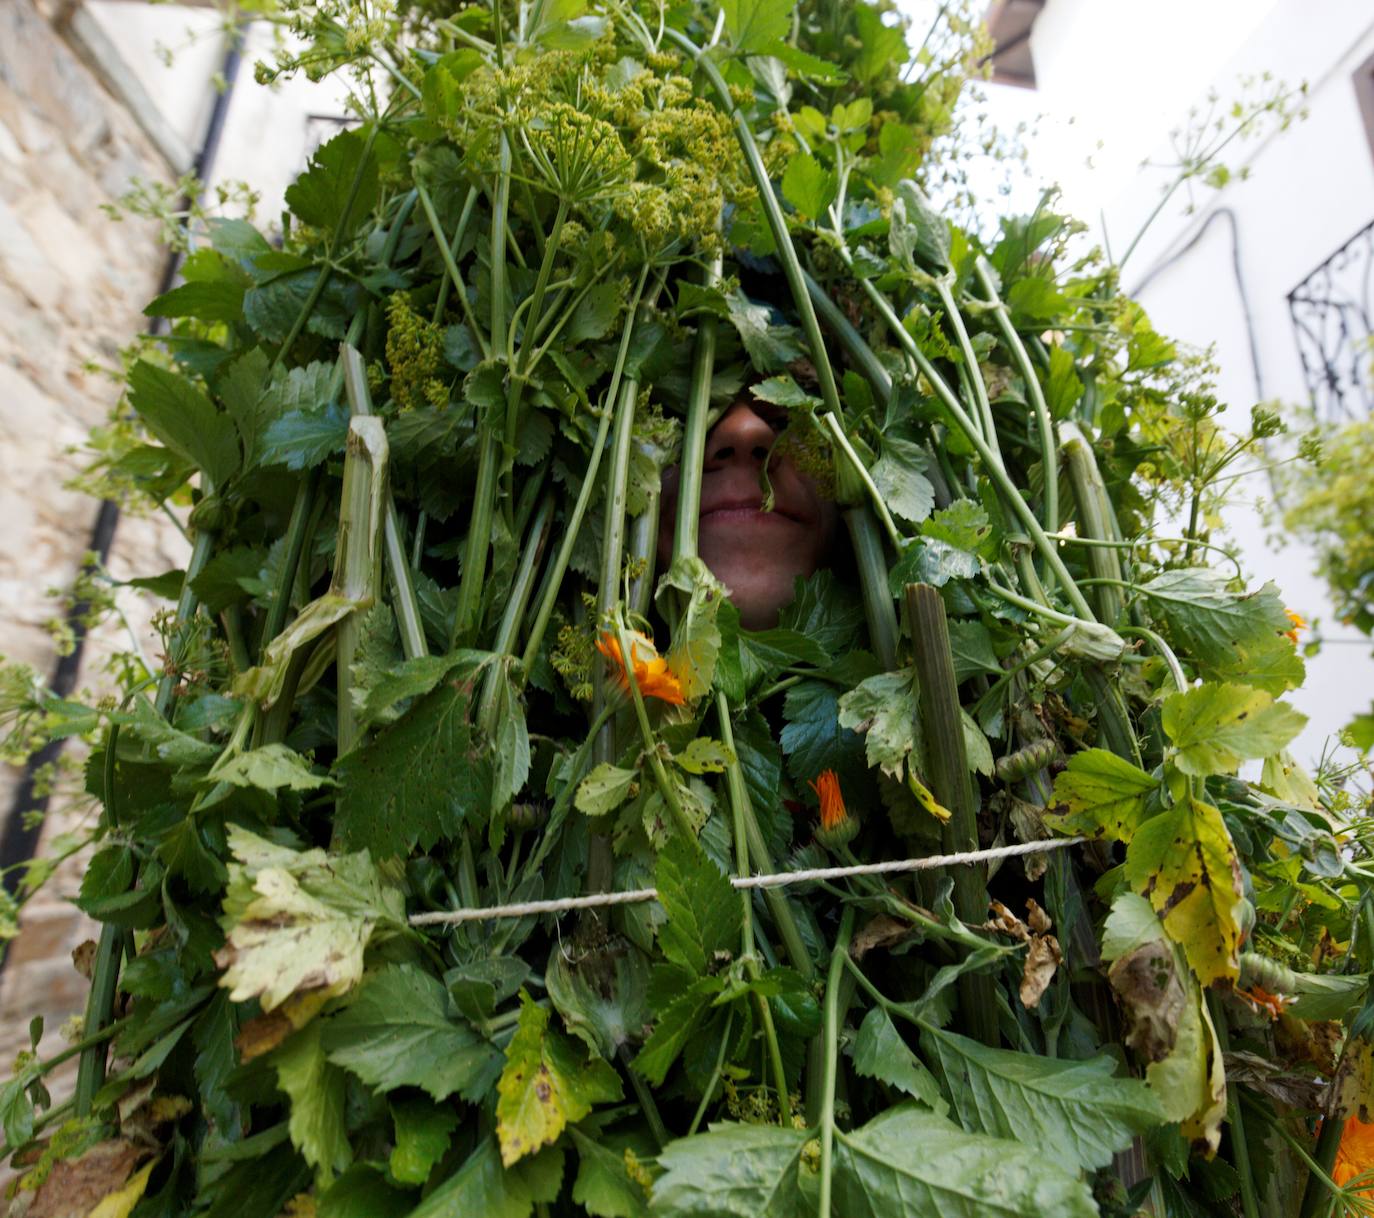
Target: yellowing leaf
[
  {"x": 1184, "y": 862},
  {"x": 298, "y": 921},
  {"x": 696, "y": 642},
  {"x": 1190, "y": 1082},
  {"x": 545, "y": 1085},
  {"x": 1215, "y": 726},
  {"x": 120, "y": 1203},
  {"x": 1100, "y": 795}
]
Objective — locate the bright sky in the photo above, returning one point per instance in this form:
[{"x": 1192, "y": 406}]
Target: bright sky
[{"x": 1113, "y": 78}]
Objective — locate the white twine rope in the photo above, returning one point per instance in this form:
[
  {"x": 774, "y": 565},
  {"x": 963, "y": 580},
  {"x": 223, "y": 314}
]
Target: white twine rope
[{"x": 779, "y": 879}]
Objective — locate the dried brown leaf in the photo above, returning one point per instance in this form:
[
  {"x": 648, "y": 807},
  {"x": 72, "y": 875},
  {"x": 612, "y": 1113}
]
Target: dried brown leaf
[
  {"x": 74, "y": 1187},
  {"x": 1151, "y": 993},
  {"x": 1042, "y": 958}
]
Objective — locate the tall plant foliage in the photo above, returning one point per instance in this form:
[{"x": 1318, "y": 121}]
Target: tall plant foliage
[{"x": 425, "y": 659}]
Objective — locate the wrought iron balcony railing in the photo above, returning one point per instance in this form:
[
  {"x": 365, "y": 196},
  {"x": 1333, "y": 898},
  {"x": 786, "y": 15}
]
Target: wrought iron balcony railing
[{"x": 1334, "y": 327}]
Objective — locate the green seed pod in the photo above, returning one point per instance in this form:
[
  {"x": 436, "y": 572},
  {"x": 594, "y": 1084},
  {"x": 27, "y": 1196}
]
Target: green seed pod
[{"x": 1025, "y": 761}]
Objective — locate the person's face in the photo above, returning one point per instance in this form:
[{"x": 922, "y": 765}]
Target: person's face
[{"x": 757, "y": 555}]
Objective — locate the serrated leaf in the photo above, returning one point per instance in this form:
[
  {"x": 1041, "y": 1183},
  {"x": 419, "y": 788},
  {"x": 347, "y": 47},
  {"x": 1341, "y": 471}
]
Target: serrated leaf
[
  {"x": 1077, "y": 1107},
  {"x": 415, "y": 780},
  {"x": 696, "y": 641},
  {"x": 883, "y": 709},
  {"x": 899, "y": 475},
  {"x": 603, "y": 1188},
  {"x": 340, "y": 186},
  {"x": 302, "y": 439},
  {"x": 918, "y": 234},
  {"x": 909, "y": 1163},
  {"x": 675, "y": 1023},
  {"x": 755, "y": 25},
  {"x": 733, "y": 1171},
  {"x": 298, "y": 920},
  {"x": 316, "y": 1091},
  {"x": 880, "y": 1052},
  {"x": 545, "y": 1084},
  {"x": 705, "y": 756},
  {"x": 1208, "y": 619},
  {"x": 185, "y": 420},
  {"x": 1100, "y": 795},
  {"x": 423, "y": 1132},
  {"x": 808, "y": 185},
  {"x": 704, "y": 916},
  {"x": 604, "y": 789},
  {"x": 402, "y": 1030},
  {"x": 1215, "y": 726},
  {"x": 813, "y": 737},
  {"x": 270, "y": 768},
  {"x": 481, "y": 1188},
  {"x": 771, "y": 345},
  {"x": 211, "y": 300},
  {"x": 1183, "y": 860},
  {"x": 596, "y": 314}
]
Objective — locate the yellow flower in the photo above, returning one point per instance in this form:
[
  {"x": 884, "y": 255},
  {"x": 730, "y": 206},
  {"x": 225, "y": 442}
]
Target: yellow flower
[
  {"x": 650, "y": 669},
  {"x": 1298, "y": 624},
  {"x": 1355, "y": 1155}
]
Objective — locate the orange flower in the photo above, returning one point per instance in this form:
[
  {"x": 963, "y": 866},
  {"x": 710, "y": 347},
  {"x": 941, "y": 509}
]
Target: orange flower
[
  {"x": 1355, "y": 1154},
  {"x": 650, "y": 669},
  {"x": 1259, "y": 999},
  {"x": 827, "y": 788},
  {"x": 1298, "y": 624}
]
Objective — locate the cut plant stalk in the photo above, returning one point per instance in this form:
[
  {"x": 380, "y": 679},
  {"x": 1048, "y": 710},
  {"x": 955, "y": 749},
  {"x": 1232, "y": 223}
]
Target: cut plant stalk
[
  {"x": 358, "y": 556},
  {"x": 941, "y": 725},
  {"x": 871, "y": 561},
  {"x": 831, "y": 1032},
  {"x": 407, "y": 608},
  {"x": 1090, "y": 496}
]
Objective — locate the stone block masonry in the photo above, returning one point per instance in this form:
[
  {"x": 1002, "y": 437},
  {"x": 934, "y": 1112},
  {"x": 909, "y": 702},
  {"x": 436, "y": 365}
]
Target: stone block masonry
[{"x": 72, "y": 285}]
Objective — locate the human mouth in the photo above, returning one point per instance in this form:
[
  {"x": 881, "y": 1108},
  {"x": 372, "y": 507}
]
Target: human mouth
[{"x": 744, "y": 508}]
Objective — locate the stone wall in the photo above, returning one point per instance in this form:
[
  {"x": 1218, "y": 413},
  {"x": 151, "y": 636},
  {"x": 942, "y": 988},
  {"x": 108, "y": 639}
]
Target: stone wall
[{"x": 72, "y": 284}]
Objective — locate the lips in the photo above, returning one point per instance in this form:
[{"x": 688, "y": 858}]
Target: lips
[{"x": 742, "y": 506}]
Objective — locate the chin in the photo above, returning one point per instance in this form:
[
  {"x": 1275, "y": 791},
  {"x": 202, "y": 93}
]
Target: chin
[{"x": 758, "y": 600}]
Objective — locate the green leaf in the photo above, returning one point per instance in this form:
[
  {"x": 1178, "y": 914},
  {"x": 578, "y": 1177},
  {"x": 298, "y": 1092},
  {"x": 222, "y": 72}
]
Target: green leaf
[
  {"x": 880, "y": 45},
  {"x": 481, "y": 1187},
  {"x": 755, "y": 25},
  {"x": 899, "y": 475},
  {"x": 270, "y": 768},
  {"x": 883, "y": 709},
  {"x": 595, "y": 315},
  {"x": 415, "y": 780},
  {"x": 220, "y": 582},
  {"x": 316, "y": 1090},
  {"x": 808, "y": 185},
  {"x": 705, "y": 756},
  {"x": 696, "y": 641},
  {"x": 1063, "y": 387},
  {"x": 545, "y": 1084},
  {"x": 805, "y": 64},
  {"x": 918, "y": 234},
  {"x": 1100, "y": 795},
  {"x": 1209, "y": 620},
  {"x": 212, "y": 300},
  {"x": 734, "y": 1171},
  {"x": 423, "y": 1132},
  {"x": 964, "y": 525},
  {"x": 977, "y": 748},
  {"x": 298, "y": 921},
  {"x": 184, "y": 420},
  {"x": 770, "y": 345},
  {"x": 510, "y": 741},
  {"x": 704, "y": 916},
  {"x": 826, "y": 611},
  {"x": 363, "y": 1192},
  {"x": 675, "y": 1024},
  {"x": 1269, "y": 662},
  {"x": 813, "y": 737},
  {"x": 971, "y": 645},
  {"x": 602, "y": 1187},
  {"x": 909, "y": 1163},
  {"x": 1185, "y": 862},
  {"x": 602, "y": 995},
  {"x": 604, "y": 789},
  {"x": 324, "y": 195},
  {"x": 303, "y": 439},
  {"x": 415, "y": 677},
  {"x": 880, "y": 1052},
  {"x": 1077, "y": 1107},
  {"x": 1214, "y": 727},
  {"x": 402, "y": 1030}
]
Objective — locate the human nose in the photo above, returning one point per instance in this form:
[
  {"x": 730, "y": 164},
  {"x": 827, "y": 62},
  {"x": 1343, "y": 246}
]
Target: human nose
[{"x": 741, "y": 435}]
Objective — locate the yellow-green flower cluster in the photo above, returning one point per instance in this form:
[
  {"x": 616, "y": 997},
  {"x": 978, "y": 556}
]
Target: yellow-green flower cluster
[{"x": 414, "y": 353}]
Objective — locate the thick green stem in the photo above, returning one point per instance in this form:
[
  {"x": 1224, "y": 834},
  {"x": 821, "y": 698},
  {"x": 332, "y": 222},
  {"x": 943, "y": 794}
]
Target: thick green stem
[
  {"x": 404, "y": 601},
  {"x": 836, "y": 428},
  {"x": 757, "y": 849},
  {"x": 1240, "y": 1146},
  {"x": 467, "y": 619},
  {"x": 186, "y": 604},
  {"x": 831, "y": 1033},
  {"x": 574, "y": 523},
  {"x": 450, "y": 255},
  {"x": 357, "y": 556},
  {"x": 693, "y": 460},
  {"x": 872, "y": 564},
  {"x": 1034, "y": 394},
  {"x": 451, "y": 265},
  {"x": 90, "y": 1071},
  {"x": 1316, "y": 1198},
  {"x": 1090, "y": 496},
  {"x": 971, "y": 366},
  {"x": 860, "y": 354},
  {"x": 941, "y": 726}
]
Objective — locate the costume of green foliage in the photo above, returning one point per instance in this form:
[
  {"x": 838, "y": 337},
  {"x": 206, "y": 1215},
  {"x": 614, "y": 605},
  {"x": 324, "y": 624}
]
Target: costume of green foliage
[{"x": 425, "y": 438}]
